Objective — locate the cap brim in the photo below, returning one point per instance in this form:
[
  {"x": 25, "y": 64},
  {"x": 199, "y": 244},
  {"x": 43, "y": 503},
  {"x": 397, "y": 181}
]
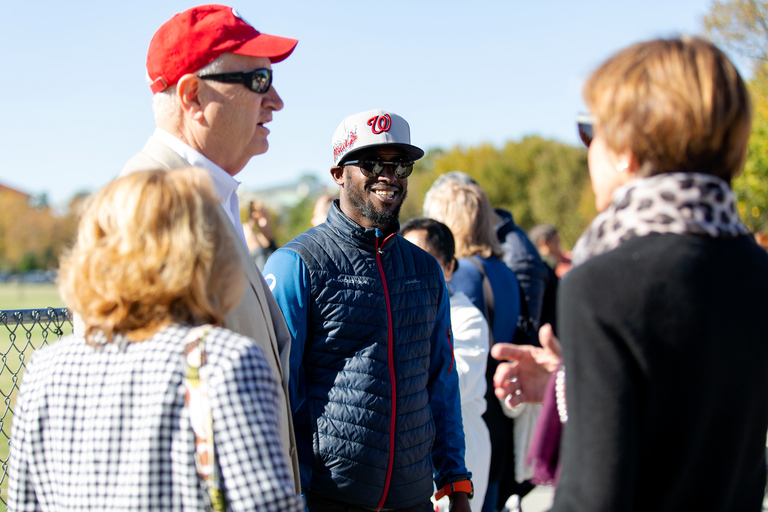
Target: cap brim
[
  {"x": 411, "y": 152},
  {"x": 275, "y": 48}
]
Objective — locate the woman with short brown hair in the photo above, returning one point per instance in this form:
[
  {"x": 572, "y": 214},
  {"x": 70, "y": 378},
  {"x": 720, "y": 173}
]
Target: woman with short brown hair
[
  {"x": 493, "y": 289},
  {"x": 677, "y": 105},
  {"x": 664, "y": 393}
]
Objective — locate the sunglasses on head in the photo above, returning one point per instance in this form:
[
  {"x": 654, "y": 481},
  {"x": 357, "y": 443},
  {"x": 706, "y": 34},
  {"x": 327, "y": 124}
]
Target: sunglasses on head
[
  {"x": 373, "y": 167},
  {"x": 258, "y": 80},
  {"x": 584, "y": 122}
]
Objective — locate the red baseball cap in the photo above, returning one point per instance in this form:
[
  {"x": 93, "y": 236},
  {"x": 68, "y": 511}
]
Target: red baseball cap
[{"x": 196, "y": 37}]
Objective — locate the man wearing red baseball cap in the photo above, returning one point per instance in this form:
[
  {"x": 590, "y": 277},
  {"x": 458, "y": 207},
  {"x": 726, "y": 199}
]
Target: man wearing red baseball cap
[{"x": 211, "y": 75}]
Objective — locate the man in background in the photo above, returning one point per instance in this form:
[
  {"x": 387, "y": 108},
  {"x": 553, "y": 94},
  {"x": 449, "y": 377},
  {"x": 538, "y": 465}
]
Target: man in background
[
  {"x": 258, "y": 234},
  {"x": 547, "y": 241}
]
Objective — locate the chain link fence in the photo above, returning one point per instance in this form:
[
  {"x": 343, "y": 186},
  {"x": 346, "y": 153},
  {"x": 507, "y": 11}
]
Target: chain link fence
[{"x": 25, "y": 331}]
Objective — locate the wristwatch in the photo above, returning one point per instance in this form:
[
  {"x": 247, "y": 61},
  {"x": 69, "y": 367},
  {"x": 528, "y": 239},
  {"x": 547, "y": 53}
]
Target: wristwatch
[{"x": 460, "y": 486}]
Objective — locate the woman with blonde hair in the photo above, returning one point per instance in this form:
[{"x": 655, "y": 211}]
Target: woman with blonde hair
[
  {"x": 664, "y": 392},
  {"x": 155, "y": 407},
  {"x": 493, "y": 289}
]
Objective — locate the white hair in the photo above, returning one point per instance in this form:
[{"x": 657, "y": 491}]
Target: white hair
[
  {"x": 446, "y": 179},
  {"x": 165, "y": 104}
]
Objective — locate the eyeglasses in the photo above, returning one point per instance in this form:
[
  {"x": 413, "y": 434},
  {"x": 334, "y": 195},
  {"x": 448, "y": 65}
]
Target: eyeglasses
[
  {"x": 258, "y": 80},
  {"x": 373, "y": 167},
  {"x": 584, "y": 123}
]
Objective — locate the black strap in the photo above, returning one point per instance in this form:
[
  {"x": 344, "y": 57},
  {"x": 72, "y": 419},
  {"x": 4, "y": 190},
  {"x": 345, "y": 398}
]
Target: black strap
[{"x": 526, "y": 325}]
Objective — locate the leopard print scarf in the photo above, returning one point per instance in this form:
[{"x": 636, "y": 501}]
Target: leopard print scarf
[{"x": 681, "y": 203}]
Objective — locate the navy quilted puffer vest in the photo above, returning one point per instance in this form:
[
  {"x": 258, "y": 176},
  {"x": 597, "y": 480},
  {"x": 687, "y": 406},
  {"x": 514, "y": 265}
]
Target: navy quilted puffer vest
[{"x": 373, "y": 304}]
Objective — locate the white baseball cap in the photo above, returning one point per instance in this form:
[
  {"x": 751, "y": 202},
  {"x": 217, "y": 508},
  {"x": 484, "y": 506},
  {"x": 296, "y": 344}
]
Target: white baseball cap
[{"x": 370, "y": 129}]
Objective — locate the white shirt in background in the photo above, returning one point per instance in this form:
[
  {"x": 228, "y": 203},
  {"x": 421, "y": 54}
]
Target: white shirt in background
[{"x": 470, "y": 349}]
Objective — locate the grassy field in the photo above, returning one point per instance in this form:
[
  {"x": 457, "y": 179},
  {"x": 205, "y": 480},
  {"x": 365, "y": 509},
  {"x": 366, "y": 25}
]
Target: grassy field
[
  {"x": 17, "y": 344},
  {"x": 29, "y": 296}
]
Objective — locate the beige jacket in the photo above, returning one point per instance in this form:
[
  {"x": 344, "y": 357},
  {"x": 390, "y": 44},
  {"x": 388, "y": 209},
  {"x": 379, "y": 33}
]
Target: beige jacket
[{"x": 257, "y": 316}]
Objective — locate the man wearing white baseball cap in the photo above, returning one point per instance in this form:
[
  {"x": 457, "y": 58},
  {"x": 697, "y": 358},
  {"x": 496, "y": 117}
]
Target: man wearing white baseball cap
[
  {"x": 211, "y": 75},
  {"x": 373, "y": 386}
]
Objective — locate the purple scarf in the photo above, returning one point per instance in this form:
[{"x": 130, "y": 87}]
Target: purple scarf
[{"x": 545, "y": 446}]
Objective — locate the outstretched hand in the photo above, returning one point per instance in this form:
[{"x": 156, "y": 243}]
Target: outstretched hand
[{"x": 524, "y": 375}]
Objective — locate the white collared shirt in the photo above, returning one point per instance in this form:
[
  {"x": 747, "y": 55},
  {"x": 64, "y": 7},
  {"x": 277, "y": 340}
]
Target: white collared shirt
[{"x": 224, "y": 184}]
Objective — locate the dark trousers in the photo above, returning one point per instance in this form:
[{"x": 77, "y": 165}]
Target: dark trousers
[{"x": 317, "y": 503}]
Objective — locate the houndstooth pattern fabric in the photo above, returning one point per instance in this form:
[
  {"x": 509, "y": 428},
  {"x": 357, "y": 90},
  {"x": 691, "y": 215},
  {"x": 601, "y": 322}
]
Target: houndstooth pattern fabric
[{"x": 106, "y": 428}]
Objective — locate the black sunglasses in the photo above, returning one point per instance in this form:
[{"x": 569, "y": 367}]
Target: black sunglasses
[
  {"x": 258, "y": 80},
  {"x": 584, "y": 123},
  {"x": 373, "y": 167}
]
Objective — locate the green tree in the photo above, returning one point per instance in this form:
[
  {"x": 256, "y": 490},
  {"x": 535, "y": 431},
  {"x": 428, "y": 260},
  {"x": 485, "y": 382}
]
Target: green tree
[
  {"x": 32, "y": 236},
  {"x": 28, "y": 262},
  {"x": 538, "y": 180},
  {"x": 296, "y": 220},
  {"x": 752, "y": 186},
  {"x": 741, "y": 26}
]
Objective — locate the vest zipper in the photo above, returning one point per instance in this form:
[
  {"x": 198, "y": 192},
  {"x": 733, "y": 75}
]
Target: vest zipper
[{"x": 391, "y": 364}]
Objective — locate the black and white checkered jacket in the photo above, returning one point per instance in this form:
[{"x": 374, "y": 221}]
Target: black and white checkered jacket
[{"x": 106, "y": 428}]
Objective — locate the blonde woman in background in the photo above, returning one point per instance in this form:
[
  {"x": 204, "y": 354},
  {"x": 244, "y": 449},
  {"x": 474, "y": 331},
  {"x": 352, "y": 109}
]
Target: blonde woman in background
[
  {"x": 101, "y": 421},
  {"x": 470, "y": 348},
  {"x": 467, "y": 211}
]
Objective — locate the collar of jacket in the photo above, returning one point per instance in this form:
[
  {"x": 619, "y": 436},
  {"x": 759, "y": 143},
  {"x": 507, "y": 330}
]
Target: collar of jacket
[
  {"x": 505, "y": 226},
  {"x": 346, "y": 228}
]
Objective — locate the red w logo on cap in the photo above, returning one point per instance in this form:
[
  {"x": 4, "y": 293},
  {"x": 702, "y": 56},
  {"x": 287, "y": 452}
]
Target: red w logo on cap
[{"x": 380, "y": 124}]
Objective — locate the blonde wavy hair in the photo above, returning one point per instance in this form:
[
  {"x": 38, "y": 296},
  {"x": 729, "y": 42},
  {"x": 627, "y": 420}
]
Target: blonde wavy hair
[
  {"x": 152, "y": 249},
  {"x": 467, "y": 211},
  {"x": 678, "y": 104}
]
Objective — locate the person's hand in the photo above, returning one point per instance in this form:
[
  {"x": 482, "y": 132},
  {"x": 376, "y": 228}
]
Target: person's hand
[
  {"x": 459, "y": 502},
  {"x": 524, "y": 377},
  {"x": 260, "y": 221},
  {"x": 261, "y": 227}
]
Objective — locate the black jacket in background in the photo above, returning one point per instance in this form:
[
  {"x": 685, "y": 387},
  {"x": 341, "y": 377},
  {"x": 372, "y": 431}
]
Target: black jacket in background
[{"x": 521, "y": 256}]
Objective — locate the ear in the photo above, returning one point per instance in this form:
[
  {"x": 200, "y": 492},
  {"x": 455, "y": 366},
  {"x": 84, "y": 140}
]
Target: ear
[
  {"x": 628, "y": 162},
  {"x": 337, "y": 173},
  {"x": 449, "y": 269},
  {"x": 188, "y": 91}
]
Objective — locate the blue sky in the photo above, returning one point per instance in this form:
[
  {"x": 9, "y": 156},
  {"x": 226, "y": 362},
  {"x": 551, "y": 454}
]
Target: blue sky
[{"x": 75, "y": 105}]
